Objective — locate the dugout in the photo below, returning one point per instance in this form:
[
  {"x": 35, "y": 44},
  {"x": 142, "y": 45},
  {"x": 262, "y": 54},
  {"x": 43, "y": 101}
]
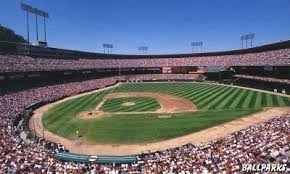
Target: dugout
[{"x": 102, "y": 159}]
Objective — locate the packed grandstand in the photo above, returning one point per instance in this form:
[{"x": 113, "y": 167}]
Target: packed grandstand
[
  {"x": 266, "y": 142},
  {"x": 26, "y": 63}
]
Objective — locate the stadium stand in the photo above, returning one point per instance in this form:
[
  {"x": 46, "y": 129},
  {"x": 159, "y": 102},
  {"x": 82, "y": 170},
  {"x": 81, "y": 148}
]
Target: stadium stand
[
  {"x": 10, "y": 63},
  {"x": 266, "y": 79},
  {"x": 261, "y": 143}
]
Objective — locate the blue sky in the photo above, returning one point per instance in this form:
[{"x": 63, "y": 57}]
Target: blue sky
[{"x": 165, "y": 26}]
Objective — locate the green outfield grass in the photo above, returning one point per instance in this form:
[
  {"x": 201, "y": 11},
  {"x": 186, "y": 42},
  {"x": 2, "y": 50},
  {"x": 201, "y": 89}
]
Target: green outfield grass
[
  {"x": 216, "y": 104},
  {"x": 141, "y": 104}
]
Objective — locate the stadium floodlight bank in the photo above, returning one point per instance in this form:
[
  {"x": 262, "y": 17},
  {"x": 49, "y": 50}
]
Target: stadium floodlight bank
[
  {"x": 29, "y": 9},
  {"x": 108, "y": 48},
  {"x": 247, "y": 38},
  {"x": 196, "y": 46},
  {"x": 143, "y": 49}
]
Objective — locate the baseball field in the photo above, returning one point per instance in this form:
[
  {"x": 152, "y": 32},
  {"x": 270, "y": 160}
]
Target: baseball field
[{"x": 133, "y": 113}]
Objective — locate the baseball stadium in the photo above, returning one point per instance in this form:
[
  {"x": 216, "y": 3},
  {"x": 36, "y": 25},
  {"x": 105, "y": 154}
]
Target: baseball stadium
[{"x": 68, "y": 110}]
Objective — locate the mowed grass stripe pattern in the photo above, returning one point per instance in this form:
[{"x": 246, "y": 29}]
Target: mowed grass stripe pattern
[
  {"x": 210, "y": 96},
  {"x": 141, "y": 104},
  {"x": 216, "y": 104},
  {"x": 63, "y": 116}
]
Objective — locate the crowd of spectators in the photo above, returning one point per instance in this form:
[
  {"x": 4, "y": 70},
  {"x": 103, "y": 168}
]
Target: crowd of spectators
[
  {"x": 262, "y": 143},
  {"x": 265, "y": 79},
  {"x": 17, "y": 156},
  {"x": 11, "y": 63},
  {"x": 266, "y": 142}
]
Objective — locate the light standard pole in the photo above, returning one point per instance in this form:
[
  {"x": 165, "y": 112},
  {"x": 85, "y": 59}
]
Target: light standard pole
[
  {"x": 27, "y": 22},
  {"x": 143, "y": 49},
  {"x": 107, "y": 47},
  {"x": 36, "y": 25},
  {"x": 247, "y": 38},
  {"x": 29, "y": 9},
  {"x": 196, "y": 46}
]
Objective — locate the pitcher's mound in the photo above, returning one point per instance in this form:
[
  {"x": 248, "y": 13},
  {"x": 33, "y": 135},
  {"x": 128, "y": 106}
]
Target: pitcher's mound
[{"x": 128, "y": 104}]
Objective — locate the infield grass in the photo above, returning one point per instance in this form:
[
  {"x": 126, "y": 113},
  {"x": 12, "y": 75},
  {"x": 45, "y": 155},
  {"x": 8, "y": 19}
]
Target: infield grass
[
  {"x": 141, "y": 104},
  {"x": 216, "y": 105}
]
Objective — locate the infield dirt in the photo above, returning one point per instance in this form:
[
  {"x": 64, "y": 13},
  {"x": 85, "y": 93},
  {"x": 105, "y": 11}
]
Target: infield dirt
[{"x": 168, "y": 104}]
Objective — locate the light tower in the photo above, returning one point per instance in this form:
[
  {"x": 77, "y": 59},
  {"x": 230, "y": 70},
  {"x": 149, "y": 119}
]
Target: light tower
[
  {"x": 108, "y": 48},
  {"x": 143, "y": 49},
  {"x": 29, "y": 9},
  {"x": 196, "y": 46},
  {"x": 245, "y": 40}
]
